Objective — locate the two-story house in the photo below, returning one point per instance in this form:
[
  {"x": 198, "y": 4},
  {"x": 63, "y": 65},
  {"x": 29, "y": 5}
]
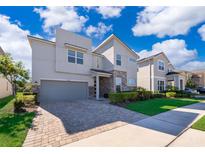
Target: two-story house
[
  {"x": 156, "y": 72},
  {"x": 68, "y": 69}
]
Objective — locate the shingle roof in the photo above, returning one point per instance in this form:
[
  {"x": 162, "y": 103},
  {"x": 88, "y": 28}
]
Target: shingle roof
[{"x": 101, "y": 71}]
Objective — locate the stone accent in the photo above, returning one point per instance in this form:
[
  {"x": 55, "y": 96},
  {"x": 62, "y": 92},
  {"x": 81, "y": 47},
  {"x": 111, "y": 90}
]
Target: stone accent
[
  {"x": 122, "y": 75},
  {"x": 91, "y": 91}
]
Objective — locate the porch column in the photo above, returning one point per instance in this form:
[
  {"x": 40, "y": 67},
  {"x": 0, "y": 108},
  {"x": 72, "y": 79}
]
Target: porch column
[{"x": 97, "y": 87}]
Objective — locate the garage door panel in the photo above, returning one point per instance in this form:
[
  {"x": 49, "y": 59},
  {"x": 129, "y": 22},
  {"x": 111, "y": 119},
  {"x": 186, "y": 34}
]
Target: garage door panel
[{"x": 52, "y": 91}]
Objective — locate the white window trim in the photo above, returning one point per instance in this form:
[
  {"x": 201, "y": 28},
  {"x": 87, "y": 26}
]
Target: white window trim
[
  {"x": 76, "y": 57},
  {"x": 164, "y": 84},
  {"x": 118, "y": 84},
  {"x": 118, "y": 59},
  {"x": 158, "y": 65}
]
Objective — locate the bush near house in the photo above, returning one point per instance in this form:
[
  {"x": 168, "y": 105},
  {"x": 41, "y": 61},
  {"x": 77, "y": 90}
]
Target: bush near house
[
  {"x": 142, "y": 94},
  {"x": 132, "y": 96},
  {"x": 23, "y": 101},
  {"x": 178, "y": 94},
  {"x": 171, "y": 94}
]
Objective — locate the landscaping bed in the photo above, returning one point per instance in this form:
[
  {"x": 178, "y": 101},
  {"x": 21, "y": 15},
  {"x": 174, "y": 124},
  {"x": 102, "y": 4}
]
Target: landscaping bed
[
  {"x": 14, "y": 125},
  {"x": 200, "y": 124}
]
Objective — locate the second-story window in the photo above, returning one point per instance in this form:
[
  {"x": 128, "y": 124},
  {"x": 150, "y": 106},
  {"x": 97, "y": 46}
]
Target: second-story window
[
  {"x": 71, "y": 56},
  {"x": 161, "y": 65},
  {"x": 118, "y": 60},
  {"x": 75, "y": 57},
  {"x": 79, "y": 58}
]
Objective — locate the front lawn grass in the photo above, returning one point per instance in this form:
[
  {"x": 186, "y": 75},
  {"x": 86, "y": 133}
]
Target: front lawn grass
[
  {"x": 200, "y": 124},
  {"x": 13, "y": 126},
  {"x": 158, "y": 105}
]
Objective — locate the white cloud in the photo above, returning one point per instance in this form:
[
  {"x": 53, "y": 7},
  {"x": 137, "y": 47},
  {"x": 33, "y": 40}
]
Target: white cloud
[
  {"x": 194, "y": 65},
  {"x": 109, "y": 11},
  {"x": 64, "y": 17},
  {"x": 168, "y": 21},
  {"x": 175, "y": 49},
  {"x": 13, "y": 40},
  {"x": 98, "y": 31},
  {"x": 201, "y": 31}
]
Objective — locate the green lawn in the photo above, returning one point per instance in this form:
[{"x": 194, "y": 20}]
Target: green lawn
[
  {"x": 158, "y": 105},
  {"x": 200, "y": 124},
  {"x": 13, "y": 127}
]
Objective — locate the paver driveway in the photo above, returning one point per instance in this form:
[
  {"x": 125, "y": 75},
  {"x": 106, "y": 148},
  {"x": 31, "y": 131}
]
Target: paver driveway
[
  {"x": 60, "y": 123},
  {"x": 160, "y": 130}
]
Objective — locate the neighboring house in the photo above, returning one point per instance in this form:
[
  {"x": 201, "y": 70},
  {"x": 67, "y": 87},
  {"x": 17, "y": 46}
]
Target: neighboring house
[
  {"x": 5, "y": 86},
  {"x": 68, "y": 69},
  {"x": 198, "y": 77},
  {"x": 156, "y": 72}
]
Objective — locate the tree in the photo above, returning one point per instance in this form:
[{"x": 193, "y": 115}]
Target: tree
[
  {"x": 14, "y": 72},
  {"x": 190, "y": 83}
]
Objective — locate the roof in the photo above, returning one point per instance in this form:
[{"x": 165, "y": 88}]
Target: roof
[
  {"x": 101, "y": 71},
  {"x": 155, "y": 55},
  {"x": 111, "y": 37},
  {"x": 1, "y": 51},
  {"x": 40, "y": 39},
  {"x": 170, "y": 73}
]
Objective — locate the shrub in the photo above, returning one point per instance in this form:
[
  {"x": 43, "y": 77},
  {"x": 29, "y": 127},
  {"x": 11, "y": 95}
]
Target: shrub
[
  {"x": 170, "y": 94},
  {"x": 29, "y": 100},
  {"x": 22, "y": 101},
  {"x": 115, "y": 97},
  {"x": 19, "y": 104},
  {"x": 122, "y": 97},
  {"x": 171, "y": 88},
  {"x": 139, "y": 89},
  {"x": 129, "y": 96},
  {"x": 183, "y": 95},
  {"x": 27, "y": 93}
]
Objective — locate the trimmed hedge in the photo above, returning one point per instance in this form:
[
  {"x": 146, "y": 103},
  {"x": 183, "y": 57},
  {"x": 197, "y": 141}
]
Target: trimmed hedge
[
  {"x": 130, "y": 96},
  {"x": 122, "y": 97},
  {"x": 171, "y": 94},
  {"x": 178, "y": 94}
]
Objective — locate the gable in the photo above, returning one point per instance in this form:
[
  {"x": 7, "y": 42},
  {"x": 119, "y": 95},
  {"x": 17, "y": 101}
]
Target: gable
[{"x": 120, "y": 49}]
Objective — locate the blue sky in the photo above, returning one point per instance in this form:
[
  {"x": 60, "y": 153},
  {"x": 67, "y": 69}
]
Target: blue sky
[{"x": 178, "y": 31}]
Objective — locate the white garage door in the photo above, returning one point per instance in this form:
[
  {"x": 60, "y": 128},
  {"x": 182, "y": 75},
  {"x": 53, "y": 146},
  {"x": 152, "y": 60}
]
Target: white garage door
[{"x": 53, "y": 91}]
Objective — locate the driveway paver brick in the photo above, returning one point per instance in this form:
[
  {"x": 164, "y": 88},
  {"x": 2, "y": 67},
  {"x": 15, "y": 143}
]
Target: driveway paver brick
[{"x": 61, "y": 123}]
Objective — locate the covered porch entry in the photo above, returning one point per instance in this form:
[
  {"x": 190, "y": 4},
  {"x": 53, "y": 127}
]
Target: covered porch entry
[
  {"x": 175, "y": 79},
  {"x": 102, "y": 83}
]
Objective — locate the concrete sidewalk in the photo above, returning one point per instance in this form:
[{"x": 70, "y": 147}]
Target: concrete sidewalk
[{"x": 159, "y": 130}]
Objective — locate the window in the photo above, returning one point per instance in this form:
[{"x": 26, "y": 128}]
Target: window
[
  {"x": 132, "y": 60},
  {"x": 161, "y": 65},
  {"x": 181, "y": 84},
  {"x": 160, "y": 85},
  {"x": 118, "y": 60},
  {"x": 79, "y": 58},
  {"x": 71, "y": 56},
  {"x": 75, "y": 57},
  {"x": 131, "y": 81},
  {"x": 118, "y": 83},
  {"x": 169, "y": 70}
]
